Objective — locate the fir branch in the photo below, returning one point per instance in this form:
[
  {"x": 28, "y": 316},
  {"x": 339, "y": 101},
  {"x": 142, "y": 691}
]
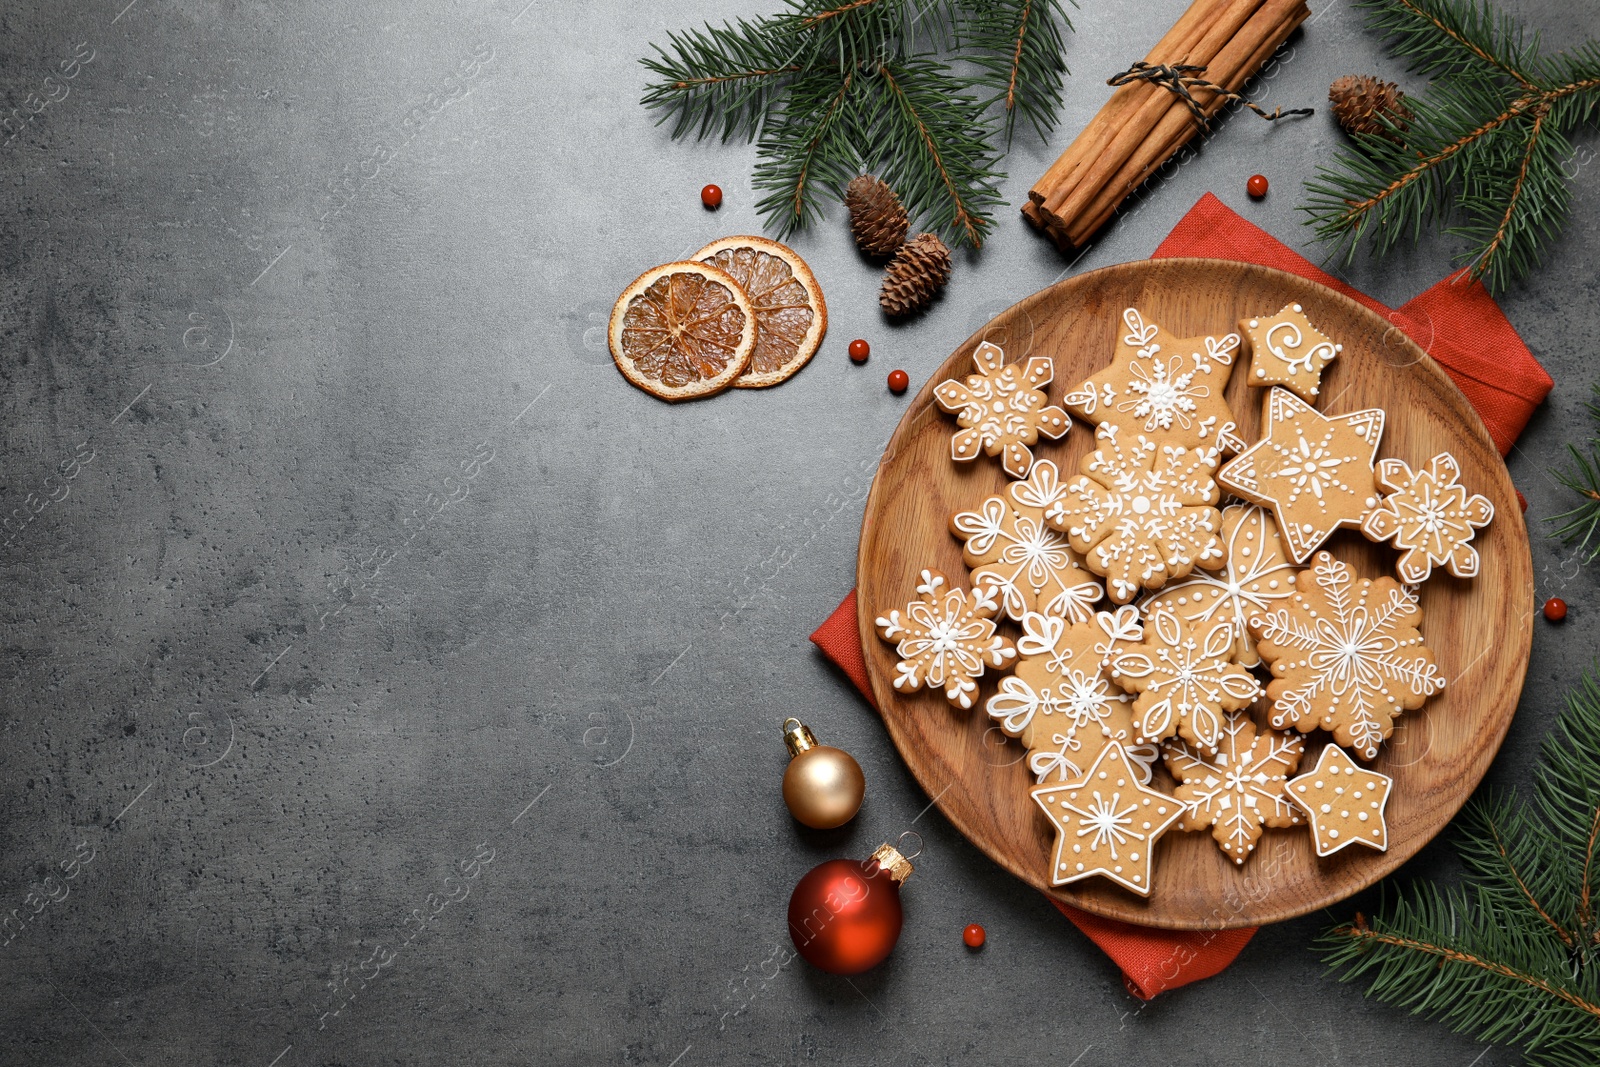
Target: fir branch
[
  {"x": 1523, "y": 1005},
  {"x": 1485, "y": 147},
  {"x": 1513, "y": 957},
  {"x": 934, "y": 152},
  {"x": 830, "y": 88},
  {"x": 1585, "y": 911},
  {"x": 1582, "y": 523},
  {"x": 807, "y": 146},
  {"x": 1018, "y": 46},
  {"x": 1510, "y": 861},
  {"x": 1443, "y": 39},
  {"x": 721, "y": 78}
]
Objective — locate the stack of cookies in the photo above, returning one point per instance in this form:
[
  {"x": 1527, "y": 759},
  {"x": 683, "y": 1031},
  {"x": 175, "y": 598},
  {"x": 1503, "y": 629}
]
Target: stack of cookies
[{"x": 1173, "y": 604}]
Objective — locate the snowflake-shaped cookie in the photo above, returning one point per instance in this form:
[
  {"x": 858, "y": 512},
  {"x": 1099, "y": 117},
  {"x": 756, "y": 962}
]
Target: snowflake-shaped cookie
[
  {"x": 1430, "y": 517},
  {"x": 1240, "y": 789},
  {"x": 1313, "y": 470},
  {"x": 1344, "y": 801},
  {"x": 1167, "y": 387},
  {"x": 1254, "y": 575},
  {"x": 1346, "y": 656},
  {"x": 1141, "y": 512},
  {"x": 1060, "y": 701},
  {"x": 1185, "y": 677},
  {"x": 1285, "y": 349},
  {"x": 945, "y": 639},
  {"x": 1024, "y": 563},
  {"x": 1106, "y": 822},
  {"x": 1002, "y": 409}
]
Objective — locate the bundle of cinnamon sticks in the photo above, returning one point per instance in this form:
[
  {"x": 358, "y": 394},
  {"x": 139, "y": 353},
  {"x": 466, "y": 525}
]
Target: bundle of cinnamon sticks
[{"x": 1143, "y": 124}]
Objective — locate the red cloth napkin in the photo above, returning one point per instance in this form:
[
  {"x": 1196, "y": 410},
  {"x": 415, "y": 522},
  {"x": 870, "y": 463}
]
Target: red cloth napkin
[{"x": 1457, "y": 323}]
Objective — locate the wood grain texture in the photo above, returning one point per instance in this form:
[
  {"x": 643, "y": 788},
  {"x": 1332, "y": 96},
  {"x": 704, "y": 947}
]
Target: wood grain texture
[{"x": 1480, "y": 630}]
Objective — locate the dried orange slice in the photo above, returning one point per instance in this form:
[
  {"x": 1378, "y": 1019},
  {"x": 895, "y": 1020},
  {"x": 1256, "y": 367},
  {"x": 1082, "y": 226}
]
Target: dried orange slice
[
  {"x": 791, "y": 316},
  {"x": 682, "y": 330}
]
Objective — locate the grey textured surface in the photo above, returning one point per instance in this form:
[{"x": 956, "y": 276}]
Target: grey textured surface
[{"x": 294, "y": 644}]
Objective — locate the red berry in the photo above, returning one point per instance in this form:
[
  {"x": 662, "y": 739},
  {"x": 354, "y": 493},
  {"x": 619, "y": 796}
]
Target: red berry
[
  {"x": 1256, "y": 186},
  {"x": 973, "y": 935},
  {"x": 1522, "y": 501},
  {"x": 898, "y": 381},
  {"x": 859, "y": 351},
  {"x": 711, "y": 197},
  {"x": 1555, "y": 609}
]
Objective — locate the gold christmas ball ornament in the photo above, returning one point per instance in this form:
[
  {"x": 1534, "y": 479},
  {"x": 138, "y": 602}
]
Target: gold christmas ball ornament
[{"x": 822, "y": 786}]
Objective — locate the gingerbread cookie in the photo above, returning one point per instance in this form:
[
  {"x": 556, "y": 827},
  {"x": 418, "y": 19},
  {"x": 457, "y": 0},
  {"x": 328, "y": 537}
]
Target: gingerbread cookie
[
  {"x": 945, "y": 639},
  {"x": 1024, "y": 563},
  {"x": 1060, "y": 759},
  {"x": 1287, "y": 350},
  {"x": 1430, "y": 517},
  {"x": 1313, "y": 470},
  {"x": 1165, "y": 387},
  {"x": 1346, "y": 656},
  {"x": 1106, "y": 823},
  {"x": 1141, "y": 512},
  {"x": 1042, "y": 487},
  {"x": 1002, "y": 409},
  {"x": 1344, "y": 802},
  {"x": 1254, "y": 575},
  {"x": 1060, "y": 699},
  {"x": 1185, "y": 677},
  {"x": 1239, "y": 789}
]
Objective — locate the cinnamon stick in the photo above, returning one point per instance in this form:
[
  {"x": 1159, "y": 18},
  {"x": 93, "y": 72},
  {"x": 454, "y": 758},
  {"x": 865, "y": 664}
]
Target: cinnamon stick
[
  {"x": 1144, "y": 124},
  {"x": 1231, "y": 68},
  {"x": 1137, "y": 128},
  {"x": 1181, "y": 39}
]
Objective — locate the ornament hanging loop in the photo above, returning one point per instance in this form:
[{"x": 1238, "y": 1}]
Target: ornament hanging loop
[
  {"x": 797, "y": 736},
  {"x": 900, "y": 845}
]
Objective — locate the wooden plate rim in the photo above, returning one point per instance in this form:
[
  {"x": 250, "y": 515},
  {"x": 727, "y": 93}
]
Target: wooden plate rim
[{"x": 1137, "y": 910}]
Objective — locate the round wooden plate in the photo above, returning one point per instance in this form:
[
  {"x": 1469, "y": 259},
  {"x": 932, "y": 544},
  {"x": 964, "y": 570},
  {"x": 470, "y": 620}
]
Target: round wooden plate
[{"x": 1480, "y": 630}]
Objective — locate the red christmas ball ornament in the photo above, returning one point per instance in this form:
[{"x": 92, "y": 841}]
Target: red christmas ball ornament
[
  {"x": 1555, "y": 609},
  {"x": 1256, "y": 186},
  {"x": 1522, "y": 501},
  {"x": 845, "y": 915},
  {"x": 899, "y": 381},
  {"x": 859, "y": 351},
  {"x": 974, "y": 936},
  {"x": 711, "y": 197}
]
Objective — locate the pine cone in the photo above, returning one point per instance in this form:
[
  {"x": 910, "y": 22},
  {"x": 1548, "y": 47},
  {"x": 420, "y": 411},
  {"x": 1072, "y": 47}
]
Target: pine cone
[
  {"x": 1360, "y": 100},
  {"x": 918, "y": 273},
  {"x": 877, "y": 221}
]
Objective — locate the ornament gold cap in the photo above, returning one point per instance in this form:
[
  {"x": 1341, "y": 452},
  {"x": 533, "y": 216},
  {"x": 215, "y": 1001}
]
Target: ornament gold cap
[
  {"x": 892, "y": 863},
  {"x": 798, "y": 736}
]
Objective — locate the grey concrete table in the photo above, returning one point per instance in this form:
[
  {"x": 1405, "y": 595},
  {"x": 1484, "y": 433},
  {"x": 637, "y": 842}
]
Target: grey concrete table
[{"x": 400, "y": 686}]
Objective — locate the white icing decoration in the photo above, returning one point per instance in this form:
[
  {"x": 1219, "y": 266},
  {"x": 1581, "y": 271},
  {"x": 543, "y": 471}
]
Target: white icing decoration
[{"x": 1362, "y": 672}]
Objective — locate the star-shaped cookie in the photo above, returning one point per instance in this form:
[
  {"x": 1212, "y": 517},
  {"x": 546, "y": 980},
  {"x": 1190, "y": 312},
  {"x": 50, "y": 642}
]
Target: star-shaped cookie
[
  {"x": 1430, "y": 517},
  {"x": 1166, "y": 387},
  {"x": 1313, "y": 470},
  {"x": 1285, "y": 349},
  {"x": 1344, "y": 802},
  {"x": 1002, "y": 409},
  {"x": 1106, "y": 823}
]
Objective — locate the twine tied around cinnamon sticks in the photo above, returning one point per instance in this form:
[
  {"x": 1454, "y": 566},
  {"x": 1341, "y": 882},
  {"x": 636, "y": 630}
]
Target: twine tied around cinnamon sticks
[
  {"x": 1147, "y": 120},
  {"x": 1183, "y": 77}
]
